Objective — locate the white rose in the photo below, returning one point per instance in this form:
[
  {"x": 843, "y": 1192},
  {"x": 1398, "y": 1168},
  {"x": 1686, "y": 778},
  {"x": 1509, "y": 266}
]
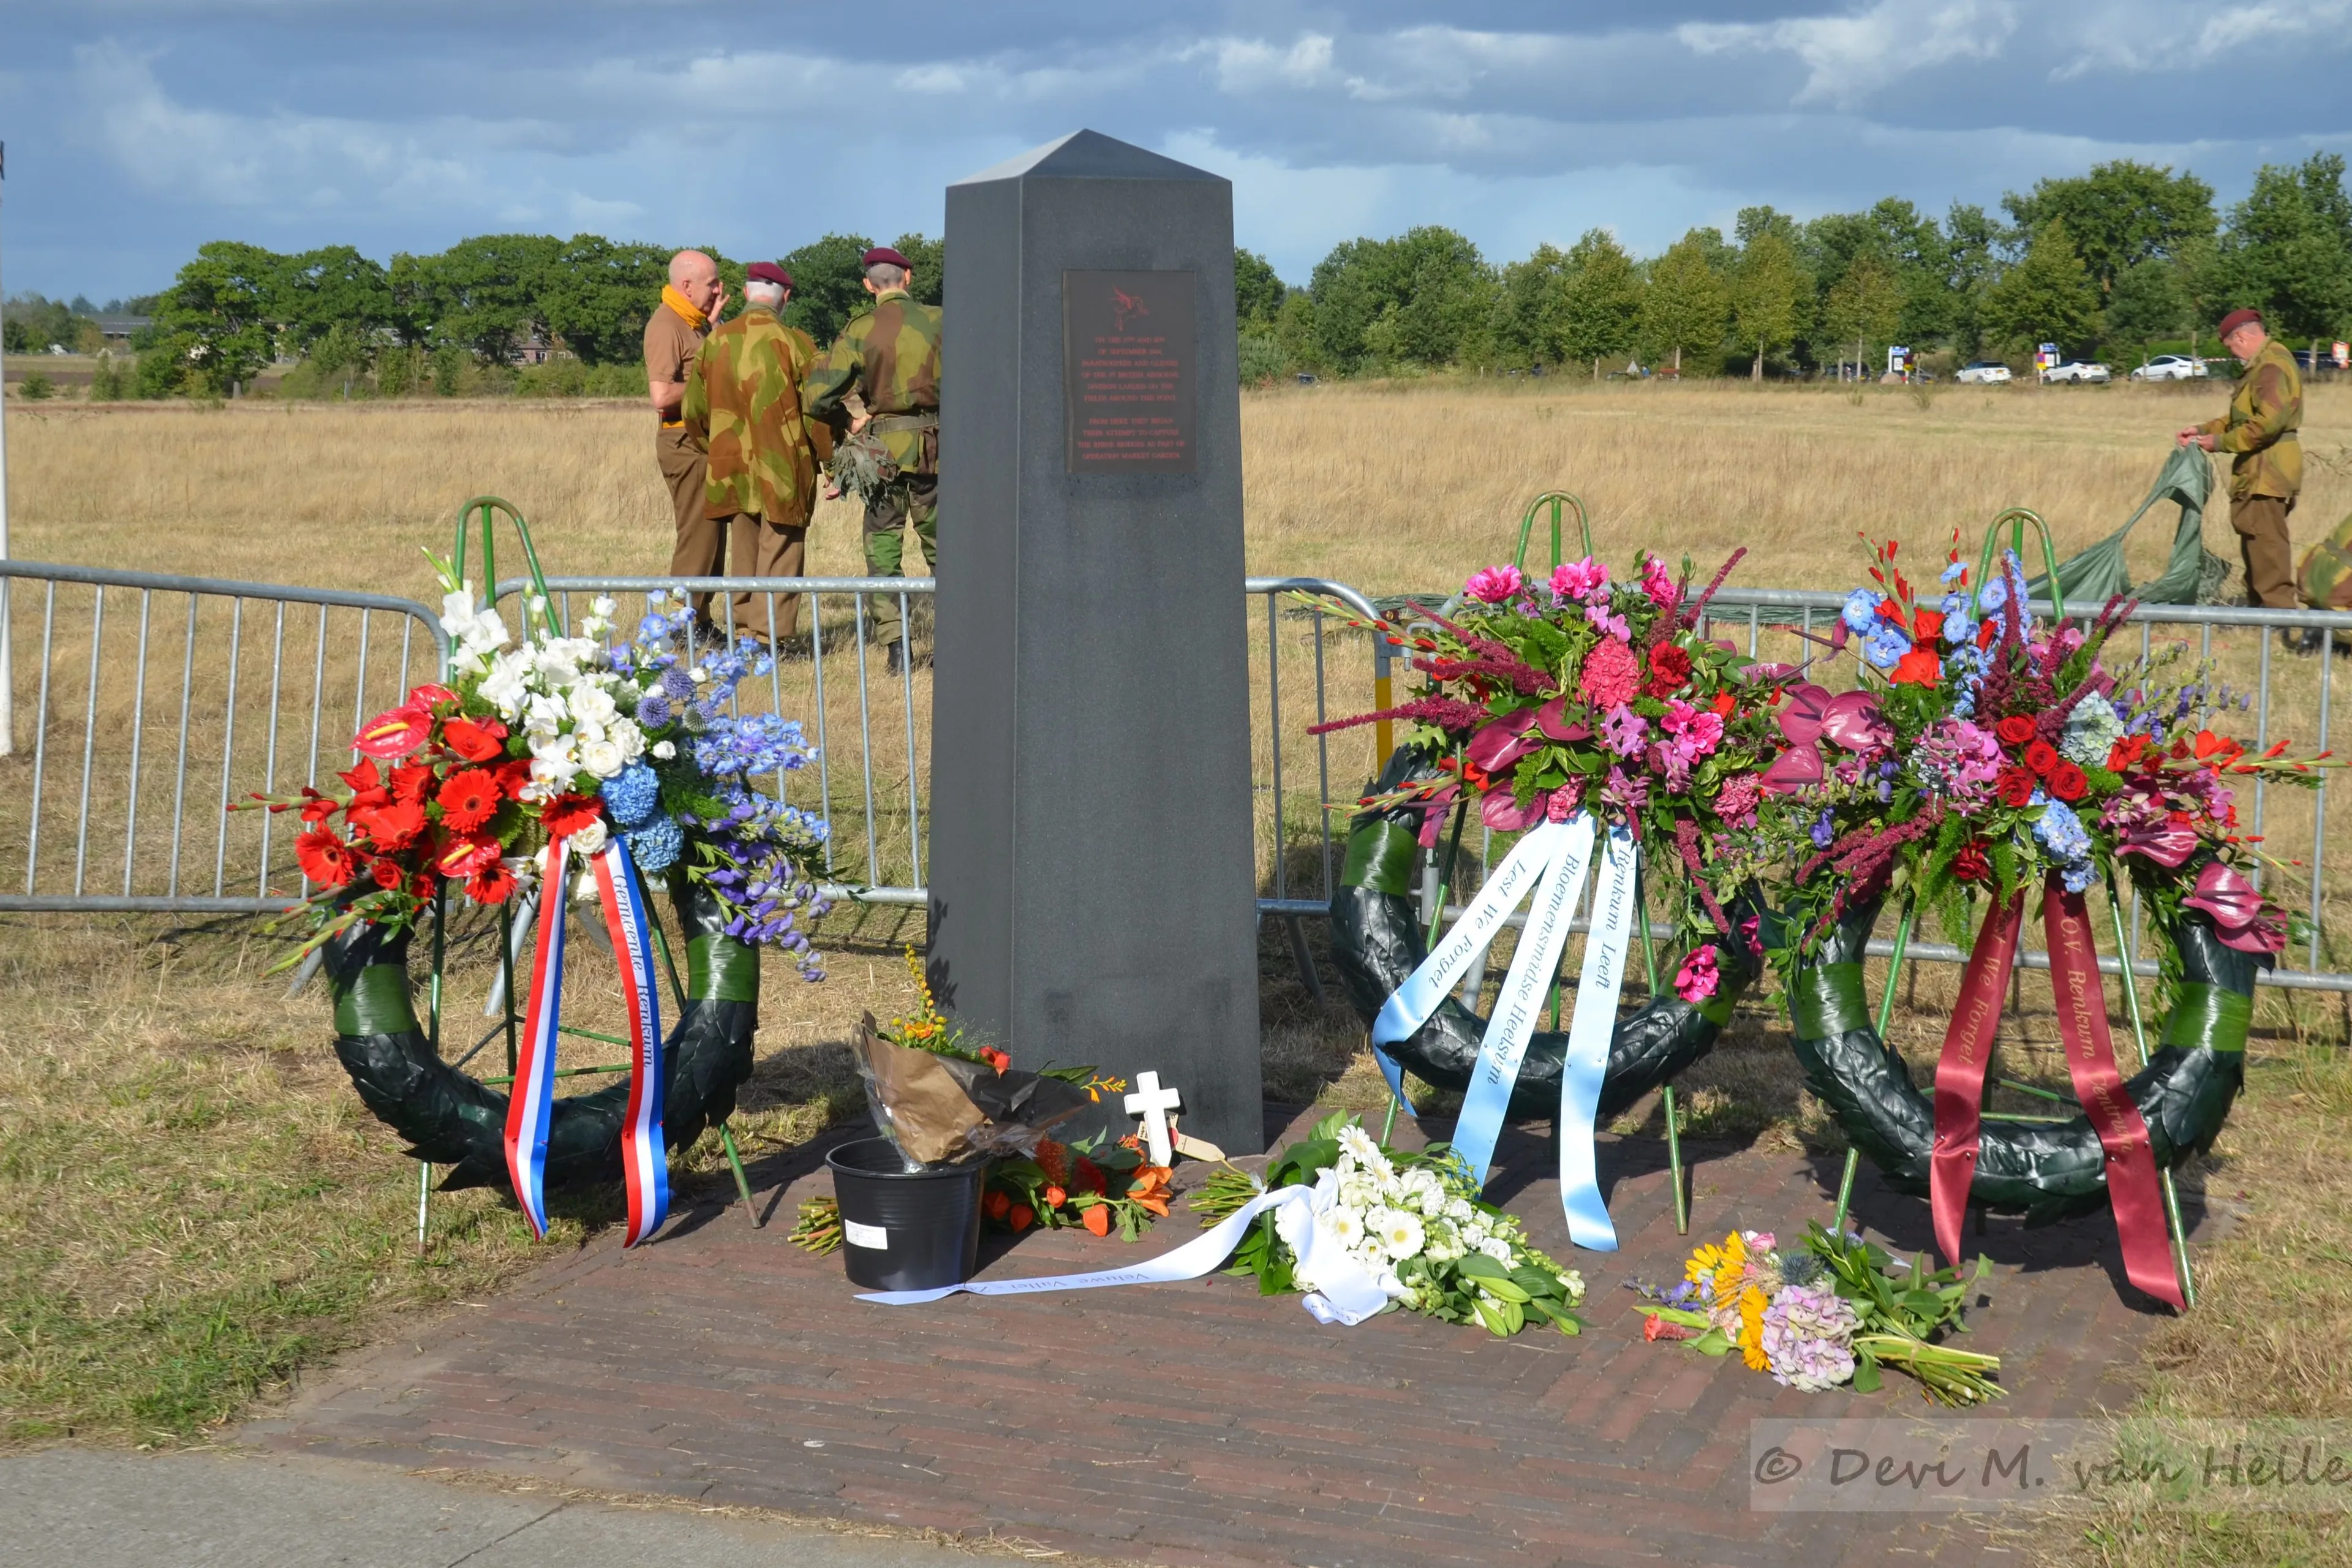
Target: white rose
[
  {"x": 626, "y": 735},
  {"x": 601, "y": 758},
  {"x": 1496, "y": 1247},
  {"x": 1459, "y": 1210},
  {"x": 591, "y": 704},
  {"x": 698, "y": 675},
  {"x": 589, "y": 839},
  {"x": 666, "y": 749}
]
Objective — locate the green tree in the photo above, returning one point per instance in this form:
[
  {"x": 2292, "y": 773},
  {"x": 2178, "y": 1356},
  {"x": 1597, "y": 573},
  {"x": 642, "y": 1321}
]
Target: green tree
[
  {"x": 1258, "y": 290},
  {"x": 595, "y": 296},
  {"x": 219, "y": 316},
  {"x": 1601, "y": 304},
  {"x": 930, "y": 259},
  {"x": 2146, "y": 304},
  {"x": 333, "y": 287},
  {"x": 485, "y": 294},
  {"x": 2118, "y": 214},
  {"x": 1420, "y": 298},
  {"x": 2288, "y": 251},
  {"x": 2048, "y": 296},
  {"x": 1972, "y": 249},
  {"x": 828, "y": 284},
  {"x": 1687, "y": 301},
  {"x": 1768, "y": 293},
  {"x": 1864, "y": 310},
  {"x": 1526, "y": 329}
]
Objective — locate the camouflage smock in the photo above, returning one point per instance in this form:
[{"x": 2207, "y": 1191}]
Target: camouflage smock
[
  {"x": 743, "y": 401},
  {"x": 890, "y": 358},
  {"x": 2260, "y": 427}
]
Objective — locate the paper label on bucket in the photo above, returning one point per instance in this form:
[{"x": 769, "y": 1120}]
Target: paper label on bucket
[{"x": 872, "y": 1237}]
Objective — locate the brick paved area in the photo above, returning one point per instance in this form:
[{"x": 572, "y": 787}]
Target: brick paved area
[{"x": 1195, "y": 1423}]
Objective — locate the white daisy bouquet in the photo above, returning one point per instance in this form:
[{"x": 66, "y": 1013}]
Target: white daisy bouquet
[{"x": 1415, "y": 1221}]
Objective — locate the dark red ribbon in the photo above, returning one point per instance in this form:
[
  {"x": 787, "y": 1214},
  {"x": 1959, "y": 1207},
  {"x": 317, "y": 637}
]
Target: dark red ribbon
[
  {"x": 2133, "y": 1187},
  {"x": 1960, "y": 1073}
]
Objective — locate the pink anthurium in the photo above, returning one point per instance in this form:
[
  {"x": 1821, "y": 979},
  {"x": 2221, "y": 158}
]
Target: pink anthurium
[
  {"x": 1501, "y": 744},
  {"x": 1553, "y": 721},
  {"x": 1798, "y": 768},
  {"x": 2239, "y": 917},
  {"x": 1852, "y": 720},
  {"x": 1800, "y": 721},
  {"x": 1505, "y": 815}
]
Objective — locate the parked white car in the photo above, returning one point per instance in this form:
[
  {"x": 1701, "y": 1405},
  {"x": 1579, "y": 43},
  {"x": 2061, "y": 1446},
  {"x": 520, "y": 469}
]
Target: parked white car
[
  {"x": 2170, "y": 367},
  {"x": 2076, "y": 370},
  {"x": 1983, "y": 372}
]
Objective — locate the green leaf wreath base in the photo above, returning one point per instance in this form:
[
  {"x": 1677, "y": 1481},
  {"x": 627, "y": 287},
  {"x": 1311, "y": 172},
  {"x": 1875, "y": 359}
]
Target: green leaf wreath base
[
  {"x": 450, "y": 1118},
  {"x": 1377, "y": 941},
  {"x": 2046, "y": 1171}
]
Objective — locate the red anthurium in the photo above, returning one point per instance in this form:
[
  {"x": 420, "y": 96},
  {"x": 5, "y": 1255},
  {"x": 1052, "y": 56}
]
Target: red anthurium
[
  {"x": 395, "y": 732},
  {"x": 467, "y": 856},
  {"x": 430, "y": 696}
]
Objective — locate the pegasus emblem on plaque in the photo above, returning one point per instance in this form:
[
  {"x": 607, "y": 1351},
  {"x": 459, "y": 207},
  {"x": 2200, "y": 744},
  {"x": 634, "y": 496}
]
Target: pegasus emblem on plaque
[{"x": 1124, "y": 305}]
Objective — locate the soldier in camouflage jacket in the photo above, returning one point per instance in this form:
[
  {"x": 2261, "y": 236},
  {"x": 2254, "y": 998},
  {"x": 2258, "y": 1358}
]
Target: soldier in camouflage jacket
[
  {"x": 889, "y": 359},
  {"x": 2259, "y": 431},
  {"x": 743, "y": 403}
]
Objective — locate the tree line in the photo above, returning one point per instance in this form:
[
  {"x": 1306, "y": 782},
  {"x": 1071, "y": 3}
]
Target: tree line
[{"x": 2117, "y": 259}]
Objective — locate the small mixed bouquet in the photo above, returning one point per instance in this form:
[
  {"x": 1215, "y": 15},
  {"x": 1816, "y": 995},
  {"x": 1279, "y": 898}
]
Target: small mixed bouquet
[
  {"x": 1548, "y": 696},
  {"x": 560, "y": 737},
  {"x": 1986, "y": 751},
  {"x": 1832, "y": 1315},
  {"x": 1415, "y": 1221},
  {"x": 1082, "y": 1183}
]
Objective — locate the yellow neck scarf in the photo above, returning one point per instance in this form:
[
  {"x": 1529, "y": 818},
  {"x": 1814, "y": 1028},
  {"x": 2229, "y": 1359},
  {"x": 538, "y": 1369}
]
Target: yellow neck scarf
[{"x": 684, "y": 307}]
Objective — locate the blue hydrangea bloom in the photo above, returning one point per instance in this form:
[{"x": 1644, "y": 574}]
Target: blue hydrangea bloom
[
  {"x": 1861, "y": 612},
  {"x": 633, "y": 794},
  {"x": 656, "y": 846},
  {"x": 1886, "y": 647}
]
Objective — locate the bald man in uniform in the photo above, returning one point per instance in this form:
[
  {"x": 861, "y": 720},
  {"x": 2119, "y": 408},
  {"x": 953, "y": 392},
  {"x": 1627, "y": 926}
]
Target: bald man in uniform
[{"x": 674, "y": 334}]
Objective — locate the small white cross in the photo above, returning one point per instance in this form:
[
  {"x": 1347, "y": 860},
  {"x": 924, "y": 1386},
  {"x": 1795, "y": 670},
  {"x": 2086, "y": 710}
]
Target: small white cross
[{"x": 1153, "y": 1103}]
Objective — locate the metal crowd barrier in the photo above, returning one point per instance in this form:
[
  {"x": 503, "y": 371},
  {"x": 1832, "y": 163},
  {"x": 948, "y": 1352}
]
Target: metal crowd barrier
[{"x": 134, "y": 764}]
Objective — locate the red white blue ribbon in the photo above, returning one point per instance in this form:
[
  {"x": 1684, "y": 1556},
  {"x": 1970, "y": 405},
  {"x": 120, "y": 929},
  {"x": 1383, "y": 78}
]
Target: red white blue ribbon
[{"x": 645, "y": 1158}]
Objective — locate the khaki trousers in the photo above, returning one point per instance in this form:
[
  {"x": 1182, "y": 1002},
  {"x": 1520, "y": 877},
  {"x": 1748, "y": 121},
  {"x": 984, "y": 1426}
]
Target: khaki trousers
[
  {"x": 2264, "y": 541},
  {"x": 758, "y": 548},
  {"x": 700, "y": 540}
]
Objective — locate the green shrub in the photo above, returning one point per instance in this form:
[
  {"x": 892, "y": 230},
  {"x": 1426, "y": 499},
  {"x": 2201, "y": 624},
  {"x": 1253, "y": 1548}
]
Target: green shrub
[
  {"x": 400, "y": 372},
  {"x": 36, "y": 388},
  {"x": 448, "y": 370},
  {"x": 110, "y": 382},
  {"x": 1262, "y": 358}
]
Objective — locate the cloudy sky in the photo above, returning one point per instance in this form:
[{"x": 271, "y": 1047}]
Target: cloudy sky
[{"x": 137, "y": 129}]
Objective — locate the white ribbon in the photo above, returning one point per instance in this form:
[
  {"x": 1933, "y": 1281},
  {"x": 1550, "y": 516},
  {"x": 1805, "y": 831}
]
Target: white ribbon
[
  {"x": 1344, "y": 1290},
  {"x": 1585, "y": 1063}
]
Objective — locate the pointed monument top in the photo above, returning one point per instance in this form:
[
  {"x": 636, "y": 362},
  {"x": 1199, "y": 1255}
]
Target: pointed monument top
[{"x": 1088, "y": 155}]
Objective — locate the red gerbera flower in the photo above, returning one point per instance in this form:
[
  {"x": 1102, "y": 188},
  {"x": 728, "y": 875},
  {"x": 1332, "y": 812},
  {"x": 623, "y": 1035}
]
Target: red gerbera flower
[
  {"x": 393, "y": 825},
  {"x": 493, "y": 884},
  {"x": 476, "y": 740},
  {"x": 324, "y": 859},
  {"x": 412, "y": 780},
  {"x": 468, "y": 800},
  {"x": 567, "y": 815}
]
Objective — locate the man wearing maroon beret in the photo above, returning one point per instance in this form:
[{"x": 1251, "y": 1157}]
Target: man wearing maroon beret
[
  {"x": 743, "y": 407},
  {"x": 889, "y": 358},
  {"x": 2266, "y": 474}
]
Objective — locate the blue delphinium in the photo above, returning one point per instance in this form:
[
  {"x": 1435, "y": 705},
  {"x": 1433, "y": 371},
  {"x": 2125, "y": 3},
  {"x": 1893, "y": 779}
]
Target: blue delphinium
[
  {"x": 1886, "y": 647},
  {"x": 1861, "y": 612}
]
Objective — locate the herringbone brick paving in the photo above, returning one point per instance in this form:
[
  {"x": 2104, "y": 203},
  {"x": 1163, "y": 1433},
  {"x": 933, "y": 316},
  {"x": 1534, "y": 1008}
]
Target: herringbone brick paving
[{"x": 1196, "y": 1422}]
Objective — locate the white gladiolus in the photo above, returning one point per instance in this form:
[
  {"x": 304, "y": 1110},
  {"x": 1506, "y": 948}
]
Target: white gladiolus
[
  {"x": 505, "y": 687},
  {"x": 603, "y": 605}
]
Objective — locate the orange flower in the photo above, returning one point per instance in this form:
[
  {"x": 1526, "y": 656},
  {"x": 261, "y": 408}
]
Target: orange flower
[
  {"x": 1150, "y": 1188},
  {"x": 1056, "y": 1197},
  {"x": 997, "y": 1206},
  {"x": 1098, "y": 1218},
  {"x": 1022, "y": 1217}
]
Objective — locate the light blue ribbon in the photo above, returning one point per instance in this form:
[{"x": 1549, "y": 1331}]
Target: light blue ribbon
[
  {"x": 1535, "y": 962},
  {"x": 1615, "y": 905},
  {"x": 1410, "y": 1007}
]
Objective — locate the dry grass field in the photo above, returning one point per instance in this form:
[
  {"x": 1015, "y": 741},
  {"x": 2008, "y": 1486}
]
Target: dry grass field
[{"x": 192, "y": 1206}]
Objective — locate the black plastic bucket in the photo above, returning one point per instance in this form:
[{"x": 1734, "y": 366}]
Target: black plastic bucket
[{"x": 902, "y": 1229}]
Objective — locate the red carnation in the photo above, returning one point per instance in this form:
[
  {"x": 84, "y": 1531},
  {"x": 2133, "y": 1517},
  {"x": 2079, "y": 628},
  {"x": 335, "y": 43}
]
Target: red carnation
[
  {"x": 1970, "y": 862},
  {"x": 1670, "y": 667},
  {"x": 567, "y": 815},
  {"x": 2042, "y": 756},
  {"x": 2068, "y": 782},
  {"x": 468, "y": 800},
  {"x": 493, "y": 884},
  {"x": 2014, "y": 730},
  {"x": 2016, "y": 786},
  {"x": 325, "y": 858},
  {"x": 387, "y": 874},
  {"x": 476, "y": 740}
]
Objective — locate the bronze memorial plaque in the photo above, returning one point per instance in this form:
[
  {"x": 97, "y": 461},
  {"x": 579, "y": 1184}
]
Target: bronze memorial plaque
[{"x": 1127, "y": 365}]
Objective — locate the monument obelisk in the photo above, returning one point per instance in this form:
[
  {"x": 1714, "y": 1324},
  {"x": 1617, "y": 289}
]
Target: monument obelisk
[{"x": 1091, "y": 875}]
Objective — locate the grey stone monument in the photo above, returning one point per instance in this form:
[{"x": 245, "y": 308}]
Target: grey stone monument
[{"x": 1091, "y": 873}]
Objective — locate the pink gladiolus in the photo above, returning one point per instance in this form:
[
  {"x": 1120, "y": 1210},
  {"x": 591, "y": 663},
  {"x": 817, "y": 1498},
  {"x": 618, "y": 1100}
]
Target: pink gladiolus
[{"x": 1493, "y": 584}]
